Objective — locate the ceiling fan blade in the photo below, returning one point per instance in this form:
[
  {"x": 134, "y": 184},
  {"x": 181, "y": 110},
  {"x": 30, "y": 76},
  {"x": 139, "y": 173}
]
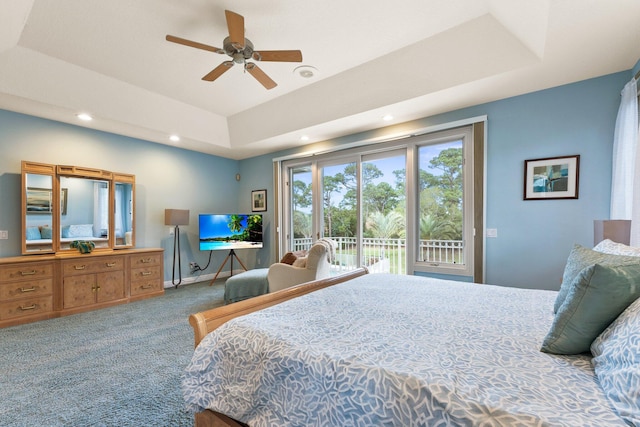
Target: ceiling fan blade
[
  {"x": 218, "y": 71},
  {"x": 259, "y": 75},
  {"x": 190, "y": 43},
  {"x": 278, "y": 55},
  {"x": 235, "y": 23}
]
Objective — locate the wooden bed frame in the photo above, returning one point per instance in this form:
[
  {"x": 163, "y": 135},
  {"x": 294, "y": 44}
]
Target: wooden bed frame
[{"x": 207, "y": 321}]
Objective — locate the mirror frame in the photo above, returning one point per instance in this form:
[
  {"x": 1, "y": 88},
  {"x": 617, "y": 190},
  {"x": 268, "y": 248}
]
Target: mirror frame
[
  {"x": 58, "y": 171},
  {"x": 43, "y": 169}
]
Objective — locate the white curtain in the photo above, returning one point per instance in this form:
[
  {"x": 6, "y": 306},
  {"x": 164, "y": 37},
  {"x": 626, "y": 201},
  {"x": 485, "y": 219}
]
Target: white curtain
[
  {"x": 625, "y": 179},
  {"x": 100, "y": 208},
  {"x": 120, "y": 206}
]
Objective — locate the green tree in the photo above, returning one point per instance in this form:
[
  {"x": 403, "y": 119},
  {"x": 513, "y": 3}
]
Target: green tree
[
  {"x": 441, "y": 193},
  {"x": 330, "y": 185},
  {"x": 235, "y": 223},
  {"x": 301, "y": 193},
  {"x": 301, "y": 225},
  {"x": 381, "y": 197},
  {"x": 385, "y": 226},
  {"x": 432, "y": 228}
]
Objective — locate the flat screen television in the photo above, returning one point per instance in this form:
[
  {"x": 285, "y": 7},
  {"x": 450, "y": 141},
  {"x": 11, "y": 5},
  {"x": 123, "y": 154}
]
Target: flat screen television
[{"x": 230, "y": 231}]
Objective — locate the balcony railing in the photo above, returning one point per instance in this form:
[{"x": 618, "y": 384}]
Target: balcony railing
[{"x": 388, "y": 255}]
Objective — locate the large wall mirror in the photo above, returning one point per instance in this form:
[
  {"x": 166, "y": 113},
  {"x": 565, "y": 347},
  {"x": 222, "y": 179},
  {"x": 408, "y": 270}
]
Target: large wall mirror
[
  {"x": 123, "y": 210},
  {"x": 64, "y": 204},
  {"x": 37, "y": 207}
]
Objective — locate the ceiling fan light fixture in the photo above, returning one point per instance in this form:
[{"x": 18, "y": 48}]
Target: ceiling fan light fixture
[
  {"x": 306, "y": 71},
  {"x": 240, "y": 49}
]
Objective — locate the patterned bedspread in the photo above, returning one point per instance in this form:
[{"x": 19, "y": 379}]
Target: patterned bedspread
[{"x": 388, "y": 350}]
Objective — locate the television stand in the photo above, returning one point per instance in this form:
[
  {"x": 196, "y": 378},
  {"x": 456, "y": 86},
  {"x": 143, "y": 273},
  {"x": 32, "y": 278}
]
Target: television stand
[{"x": 230, "y": 255}]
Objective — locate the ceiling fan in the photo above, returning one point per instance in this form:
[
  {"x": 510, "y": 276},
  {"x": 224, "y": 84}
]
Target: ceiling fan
[{"x": 240, "y": 50}]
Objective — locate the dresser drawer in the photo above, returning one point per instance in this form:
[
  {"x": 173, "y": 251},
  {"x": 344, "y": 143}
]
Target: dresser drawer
[
  {"x": 26, "y": 307},
  {"x": 28, "y": 271},
  {"x": 93, "y": 265},
  {"x": 145, "y": 260},
  {"x": 30, "y": 289},
  {"x": 146, "y": 287},
  {"x": 145, "y": 274}
]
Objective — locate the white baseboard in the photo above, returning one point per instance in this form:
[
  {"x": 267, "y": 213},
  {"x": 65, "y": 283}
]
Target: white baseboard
[{"x": 200, "y": 278}]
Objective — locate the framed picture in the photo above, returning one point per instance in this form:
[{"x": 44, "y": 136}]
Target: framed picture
[
  {"x": 39, "y": 200},
  {"x": 259, "y": 200},
  {"x": 551, "y": 178}
]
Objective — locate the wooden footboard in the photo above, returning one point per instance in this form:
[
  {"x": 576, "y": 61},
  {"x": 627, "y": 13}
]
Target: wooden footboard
[{"x": 207, "y": 321}]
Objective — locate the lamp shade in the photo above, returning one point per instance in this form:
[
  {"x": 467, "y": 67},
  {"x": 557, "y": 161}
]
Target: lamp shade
[
  {"x": 618, "y": 230},
  {"x": 176, "y": 217}
]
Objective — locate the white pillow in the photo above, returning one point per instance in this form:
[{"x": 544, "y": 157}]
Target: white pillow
[
  {"x": 81, "y": 230},
  {"x": 616, "y": 362},
  {"x": 610, "y": 247}
]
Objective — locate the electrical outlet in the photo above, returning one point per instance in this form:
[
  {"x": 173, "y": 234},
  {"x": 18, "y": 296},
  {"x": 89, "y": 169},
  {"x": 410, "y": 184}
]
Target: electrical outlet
[
  {"x": 4, "y": 234},
  {"x": 171, "y": 231}
]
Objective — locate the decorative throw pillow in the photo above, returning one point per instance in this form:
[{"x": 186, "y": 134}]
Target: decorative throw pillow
[
  {"x": 596, "y": 297},
  {"x": 580, "y": 258},
  {"x": 46, "y": 232},
  {"x": 65, "y": 231},
  {"x": 33, "y": 233},
  {"x": 288, "y": 258},
  {"x": 617, "y": 363},
  {"x": 610, "y": 247}
]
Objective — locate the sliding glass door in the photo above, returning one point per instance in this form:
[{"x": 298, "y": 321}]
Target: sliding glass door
[{"x": 393, "y": 208}]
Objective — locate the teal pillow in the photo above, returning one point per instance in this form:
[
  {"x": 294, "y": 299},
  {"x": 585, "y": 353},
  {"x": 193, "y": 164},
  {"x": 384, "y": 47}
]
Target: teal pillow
[
  {"x": 596, "y": 297},
  {"x": 46, "y": 232},
  {"x": 33, "y": 233},
  {"x": 580, "y": 258}
]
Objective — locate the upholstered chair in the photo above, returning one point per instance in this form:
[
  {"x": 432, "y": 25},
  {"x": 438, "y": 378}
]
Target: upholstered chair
[{"x": 315, "y": 265}]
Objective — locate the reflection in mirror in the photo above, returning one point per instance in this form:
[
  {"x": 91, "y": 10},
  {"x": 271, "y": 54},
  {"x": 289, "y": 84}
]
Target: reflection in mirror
[
  {"x": 38, "y": 212},
  {"x": 87, "y": 212},
  {"x": 124, "y": 214}
]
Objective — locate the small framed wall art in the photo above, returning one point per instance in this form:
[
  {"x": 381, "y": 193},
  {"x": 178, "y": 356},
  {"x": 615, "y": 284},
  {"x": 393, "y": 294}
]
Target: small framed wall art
[
  {"x": 551, "y": 178},
  {"x": 259, "y": 200}
]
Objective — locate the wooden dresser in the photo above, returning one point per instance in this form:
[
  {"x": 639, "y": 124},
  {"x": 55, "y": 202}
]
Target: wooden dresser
[{"x": 41, "y": 287}]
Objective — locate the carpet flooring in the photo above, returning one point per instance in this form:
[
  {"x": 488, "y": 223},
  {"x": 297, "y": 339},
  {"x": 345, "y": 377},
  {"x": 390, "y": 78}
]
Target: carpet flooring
[{"x": 119, "y": 366}]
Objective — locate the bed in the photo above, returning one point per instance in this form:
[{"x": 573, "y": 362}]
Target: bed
[{"x": 388, "y": 350}]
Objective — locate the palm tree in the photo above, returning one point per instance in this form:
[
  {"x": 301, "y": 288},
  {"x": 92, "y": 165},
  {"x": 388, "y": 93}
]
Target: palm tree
[
  {"x": 385, "y": 226},
  {"x": 235, "y": 223},
  {"x": 432, "y": 228}
]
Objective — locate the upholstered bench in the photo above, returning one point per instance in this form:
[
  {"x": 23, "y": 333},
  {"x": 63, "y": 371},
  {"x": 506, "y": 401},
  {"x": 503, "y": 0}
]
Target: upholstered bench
[{"x": 248, "y": 284}]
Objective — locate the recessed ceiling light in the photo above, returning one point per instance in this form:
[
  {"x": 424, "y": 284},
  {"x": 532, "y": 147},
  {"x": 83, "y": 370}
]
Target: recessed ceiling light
[
  {"x": 304, "y": 138},
  {"x": 387, "y": 118},
  {"x": 174, "y": 138},
  {"x": 84, "y": 117},
  {"x": 305, "y": 71}
]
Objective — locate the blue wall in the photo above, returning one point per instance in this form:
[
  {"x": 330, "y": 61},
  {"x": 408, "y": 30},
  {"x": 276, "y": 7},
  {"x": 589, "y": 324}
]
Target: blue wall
[{"x": 534, "y": 237}]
